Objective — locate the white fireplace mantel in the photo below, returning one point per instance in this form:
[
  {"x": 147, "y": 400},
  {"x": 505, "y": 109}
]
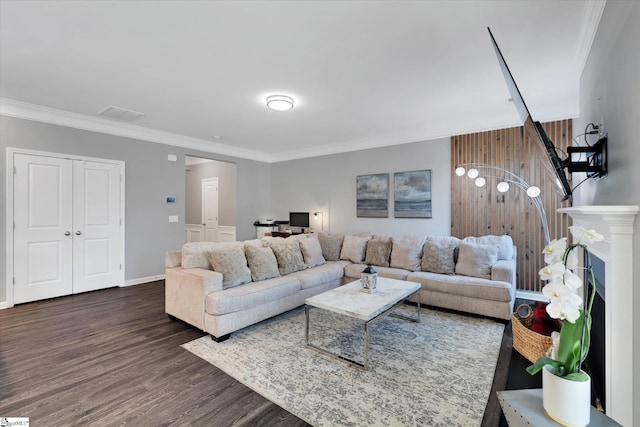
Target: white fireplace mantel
[{"x": 616, "y": 224}]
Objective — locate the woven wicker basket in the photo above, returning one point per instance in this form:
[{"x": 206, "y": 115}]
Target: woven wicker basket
[{"x": 528, "y": 343}]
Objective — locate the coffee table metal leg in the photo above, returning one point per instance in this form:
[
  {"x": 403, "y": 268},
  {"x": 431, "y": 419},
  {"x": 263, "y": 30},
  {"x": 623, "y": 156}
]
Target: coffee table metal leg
[
  {"x": 306, "y": 328},
  {"x": 366, "y": 346}
]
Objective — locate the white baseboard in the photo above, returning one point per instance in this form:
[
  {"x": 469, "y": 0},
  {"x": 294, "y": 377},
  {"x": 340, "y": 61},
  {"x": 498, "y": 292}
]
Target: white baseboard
[
  {"x": 141, "y": 280},
  {"x": 530, "y": 295},
  {"x": 3, "y": 305}
]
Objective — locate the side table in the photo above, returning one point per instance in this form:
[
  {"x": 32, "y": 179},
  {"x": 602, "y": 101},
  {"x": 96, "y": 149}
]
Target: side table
[{"x": 524, "y": 408}]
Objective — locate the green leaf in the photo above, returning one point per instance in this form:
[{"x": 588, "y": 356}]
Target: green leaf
[
  {"x": 541, "y": 362},
  {"x": 569, "y": 347}
]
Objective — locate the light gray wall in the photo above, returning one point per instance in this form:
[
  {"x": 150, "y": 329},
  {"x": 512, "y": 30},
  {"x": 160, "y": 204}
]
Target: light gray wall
[
  {"x": 226, "y": 174},
  {"x": 610, "y": 89},
  {"x": 149, "y": 178},
  {"x": 328, "y": 184}
]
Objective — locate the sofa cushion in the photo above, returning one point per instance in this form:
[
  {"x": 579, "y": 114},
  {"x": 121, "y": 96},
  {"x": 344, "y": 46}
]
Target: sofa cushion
[
  {"x": 288, "y": 254},
  {"x": 331, "y": 245},
  {"x": 232, "y": 264},
  {"x": 438, "y": 256},
  {"x": 354, "y": 271},
  {"x": 251, "y": 295},
  {"x": 194, "y": 255},
  {"x": 466, "y": 286},
  {"x": 504, "y": 243},
  {"x": 354, "y": 247},
  {"x": 319, "y": 275},
  {"x": 311, "y": 251},
  {"x": 378, "y": 251},
  {"x": 262, "y": 262},
  {"x": 476, "y": 260},
  {"x": 406, "y": 252}
]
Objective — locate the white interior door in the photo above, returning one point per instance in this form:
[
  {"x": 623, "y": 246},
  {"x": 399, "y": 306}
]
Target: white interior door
[
  {"x": 210, "y": 209},
  {"x": 43, "y": 239},
  {"x": 96, "y": 225}
]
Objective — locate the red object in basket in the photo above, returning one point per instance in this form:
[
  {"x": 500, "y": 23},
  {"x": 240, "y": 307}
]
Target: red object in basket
[{"x": 543, "y": 323}]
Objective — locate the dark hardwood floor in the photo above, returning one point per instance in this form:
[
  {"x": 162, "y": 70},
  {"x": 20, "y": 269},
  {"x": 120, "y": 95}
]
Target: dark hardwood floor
[{"x": 113, "y": 357}]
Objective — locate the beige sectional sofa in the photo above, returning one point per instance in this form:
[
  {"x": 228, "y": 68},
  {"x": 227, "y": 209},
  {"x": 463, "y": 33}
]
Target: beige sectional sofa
[{"x": 223, "y": 287}]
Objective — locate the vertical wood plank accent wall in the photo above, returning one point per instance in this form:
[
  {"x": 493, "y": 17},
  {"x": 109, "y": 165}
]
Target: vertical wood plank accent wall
[{"x": 480, "y": 211}]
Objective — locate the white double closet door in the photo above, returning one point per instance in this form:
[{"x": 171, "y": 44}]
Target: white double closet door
[{"x": 67, "y": 226}]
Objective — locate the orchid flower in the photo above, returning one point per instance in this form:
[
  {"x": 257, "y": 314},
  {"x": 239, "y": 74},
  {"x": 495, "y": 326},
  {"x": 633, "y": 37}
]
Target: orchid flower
[
  {"x": 554, "y": 250},
  {"x": 585, "y": 237},
  {"x": 561, "y": 309},
  {"x": 552, "y": 271}
]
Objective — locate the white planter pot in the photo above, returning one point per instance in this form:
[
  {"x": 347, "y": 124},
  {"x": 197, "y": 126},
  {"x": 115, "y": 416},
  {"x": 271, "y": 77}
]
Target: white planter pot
[{"x": 566, "y": 402}]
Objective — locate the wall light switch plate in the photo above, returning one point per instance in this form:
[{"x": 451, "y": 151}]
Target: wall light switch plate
[
  {"x": 172, "y": 158},
  {"x": 173, "y": 218}
]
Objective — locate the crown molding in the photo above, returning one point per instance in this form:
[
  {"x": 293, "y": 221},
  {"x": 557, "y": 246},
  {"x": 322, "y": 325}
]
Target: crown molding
[
  {"x": 593, "y": 11},
  {"x": 39, "y": 113}
]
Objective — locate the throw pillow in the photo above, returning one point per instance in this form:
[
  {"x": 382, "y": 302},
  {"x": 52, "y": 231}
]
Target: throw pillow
[
  {"x": 476, "y": 260},
  {"x": 232, "y": 264},
  {"x": 503, "y": 242},
  {"x": 194, "y": 255},
  {"x": 437, "y": 257},
  {"x": 311, "y": 251},
  {"x": 262, "y": 262},
  {"x": 331, "y": 245},
  {"x": 378, "y": 251},
  {"x": 288, "y": 254},
  {"x": 353, "y": 248},
  {"x": 406, "y": 252}
]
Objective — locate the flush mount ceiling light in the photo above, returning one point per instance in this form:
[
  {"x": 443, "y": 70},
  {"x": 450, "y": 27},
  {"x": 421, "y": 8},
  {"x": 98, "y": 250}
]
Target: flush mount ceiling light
[{"x": 280, "y": 102}]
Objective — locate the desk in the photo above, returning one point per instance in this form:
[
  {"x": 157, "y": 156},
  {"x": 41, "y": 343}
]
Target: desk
[
  {"x": 524, "y": 408},
  {"x": 284, "y": 234}
]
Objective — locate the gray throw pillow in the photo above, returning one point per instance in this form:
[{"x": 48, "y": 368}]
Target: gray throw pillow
[
  {"x": 503, "y": 242},
  {"x": 438, "y": 257},
  {"x": 476, "y": 260},
  {"x": 311, "y": 251},
  {"x": 262, "y": 262},
  {"x": 331, "y": 245},
  {"x": 232, "y": 264},
  {"x": 378, "y": 251},
  {"x": 288, "y": 254}
]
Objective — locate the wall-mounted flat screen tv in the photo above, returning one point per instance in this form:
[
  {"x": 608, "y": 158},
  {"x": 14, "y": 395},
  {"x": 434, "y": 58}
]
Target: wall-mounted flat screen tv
[
  {"x": 534, "y": 129},
  {"x": 299, "y": 219}
]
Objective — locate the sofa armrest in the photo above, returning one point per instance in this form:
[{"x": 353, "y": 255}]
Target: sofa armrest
[
  {"x": 172, "y": 259},
  {"x": 186, "y": 290},
  {"x": 504, "y": 271}
]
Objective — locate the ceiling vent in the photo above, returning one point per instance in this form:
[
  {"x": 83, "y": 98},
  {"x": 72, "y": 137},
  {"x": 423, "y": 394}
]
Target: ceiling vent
[{"x": 119, "y": 113}]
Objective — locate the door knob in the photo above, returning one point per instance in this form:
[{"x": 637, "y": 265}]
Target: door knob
[
  {"x": 78, "y": 233},
  {"x": 67, "y": 233}
]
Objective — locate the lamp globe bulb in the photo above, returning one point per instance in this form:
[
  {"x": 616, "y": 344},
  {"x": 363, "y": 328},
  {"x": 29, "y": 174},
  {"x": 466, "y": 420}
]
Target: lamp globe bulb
[
  {"x": 503, "y": 186},
  {"x": 473, "y": 173},
  {"x": 460, "y": 171},
  {"x": 533, "y": 191},
  {"x": 480, "y": 182}
]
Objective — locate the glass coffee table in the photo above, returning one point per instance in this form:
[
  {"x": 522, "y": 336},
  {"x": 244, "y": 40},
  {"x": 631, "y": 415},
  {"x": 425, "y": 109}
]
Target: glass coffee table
[{"x": 349, "y": 300}]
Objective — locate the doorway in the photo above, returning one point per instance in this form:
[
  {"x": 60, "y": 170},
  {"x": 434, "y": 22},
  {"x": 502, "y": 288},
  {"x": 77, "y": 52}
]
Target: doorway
[{"x": 210, "y": 200}]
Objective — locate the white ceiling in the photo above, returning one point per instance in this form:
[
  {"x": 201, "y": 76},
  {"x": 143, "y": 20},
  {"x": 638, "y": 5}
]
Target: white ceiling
[{"x": 363, "y": 73}]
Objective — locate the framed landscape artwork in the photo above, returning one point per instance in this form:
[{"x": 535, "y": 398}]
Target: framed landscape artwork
[
  {"x": 412, "y": 194},
  {"x": 372, "y": 196}
]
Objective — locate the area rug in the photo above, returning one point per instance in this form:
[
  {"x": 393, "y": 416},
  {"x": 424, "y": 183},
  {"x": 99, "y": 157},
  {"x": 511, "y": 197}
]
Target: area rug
[{"x": 434, "y": 373}]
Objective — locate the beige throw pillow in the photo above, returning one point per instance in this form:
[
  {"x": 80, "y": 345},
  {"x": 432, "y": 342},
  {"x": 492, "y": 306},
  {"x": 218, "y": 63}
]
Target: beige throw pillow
[
  {"x": 311, "y": 251},
  {"x": 331, "y": 245},
  {"x": 438, "y": 257},
  {"x": 406, "y": 252},
  {"x": 262, "y": 262},
  {"x": 353, "y": 248},
  {"x": 503, "y": 242},
  {"x": 378, "y": 251},
  {"x": 194, "y": 255},
  {"x": 232, "y": 264},
  {"x": 288, "y": 254},
  {"x": 476, "y": 260}
]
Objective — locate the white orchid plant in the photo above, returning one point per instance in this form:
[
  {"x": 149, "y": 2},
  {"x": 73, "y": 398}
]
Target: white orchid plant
[{"x": 567, "y": 305}]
